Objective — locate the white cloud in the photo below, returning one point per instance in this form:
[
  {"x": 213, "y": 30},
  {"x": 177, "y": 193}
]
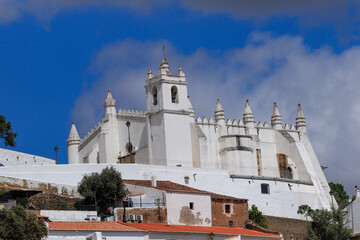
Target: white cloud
[
  {"x": 267, "y": 69},
  {"x": 311, "y": 12}
]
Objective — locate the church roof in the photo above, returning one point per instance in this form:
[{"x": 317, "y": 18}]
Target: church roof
[{"x": 175, "y": 187}]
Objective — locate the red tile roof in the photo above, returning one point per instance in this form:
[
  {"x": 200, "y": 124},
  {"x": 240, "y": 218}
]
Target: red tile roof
[
  {"x": 175, "y": 187},
  {"x": 158, "y": 227},
  {"x": 93, "y": 226},
  {"x": 152, "y": 227}
]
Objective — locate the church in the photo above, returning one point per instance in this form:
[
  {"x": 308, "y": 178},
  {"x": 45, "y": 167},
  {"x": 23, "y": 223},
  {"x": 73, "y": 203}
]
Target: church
[
  {"x": 169, "y": 135},
  {"x": 273, "y": 165}
]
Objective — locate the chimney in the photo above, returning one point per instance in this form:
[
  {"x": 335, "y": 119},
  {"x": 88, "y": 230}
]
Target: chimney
[
  {"x": 153, "y": 181},
  {"x": 357, "y": 192}
]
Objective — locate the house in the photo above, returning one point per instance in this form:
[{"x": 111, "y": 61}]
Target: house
[{"x": 172, "y": 203}]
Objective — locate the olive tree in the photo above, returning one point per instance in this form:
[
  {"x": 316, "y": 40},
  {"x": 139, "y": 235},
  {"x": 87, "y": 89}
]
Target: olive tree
[
  {"x": 18, "y": 224},
  {"x": 102, "y": 189}
]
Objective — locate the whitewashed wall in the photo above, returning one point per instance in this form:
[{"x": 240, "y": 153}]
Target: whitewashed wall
[
  {"x": 13, "y": 158},
  {"x": 81, "y": 235},
  {"x": 179, "y": 213},
  {"x": 68, "y": 216},
  {"x": 283, "y": 201}
]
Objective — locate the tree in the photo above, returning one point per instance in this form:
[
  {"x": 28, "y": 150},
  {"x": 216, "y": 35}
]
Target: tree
[
  {"x": 257, "y": 217},
  {"x": 102, "y": 189},
  {"x": 325, "y": 225},
  {"x": 340, "y": 195},
  {"x": 6, "y": 132},
  {"x": 18, "y": 224}
]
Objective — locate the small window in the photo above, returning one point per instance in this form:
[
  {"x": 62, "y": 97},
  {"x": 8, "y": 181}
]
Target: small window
[
  {"x": 154, "y": 93},
  {"x": 174, "y": 94},
  {"x": 265, "y": 188},
  {"x": 231, "y": 223},
  {"x": 227, "y": 208},
  {"x": 191, "y": 205}
]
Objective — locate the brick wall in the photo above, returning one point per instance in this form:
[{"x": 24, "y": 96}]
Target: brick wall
[
  {"x": 292, "y": 229},
  {"x": 149, "y": 214},
  {"x": 238, "y": 212}
]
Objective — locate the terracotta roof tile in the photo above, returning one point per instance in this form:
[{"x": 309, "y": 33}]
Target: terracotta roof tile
[
  {"x": 175, "y": 187},
  {"x": 158, "y": 227},
  {"x": 93, "y": 226}
]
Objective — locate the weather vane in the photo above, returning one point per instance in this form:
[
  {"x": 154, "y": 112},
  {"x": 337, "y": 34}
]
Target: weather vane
[{"x": 163, "y": 50}]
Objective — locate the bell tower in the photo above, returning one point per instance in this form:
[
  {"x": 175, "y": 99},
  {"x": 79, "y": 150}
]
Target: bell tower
[{"x": 168, "y": 118}]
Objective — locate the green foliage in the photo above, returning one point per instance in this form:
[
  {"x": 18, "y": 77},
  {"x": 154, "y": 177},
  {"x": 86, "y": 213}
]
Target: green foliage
[
  {"x": 18, "y": 224},
  {"x": 325, "y": 225},
  {"x": 103, "y": 188},
  {"x": 257, "y": 217},
  {"x": 340, "y": 195},
  {"x": 6, "y": 132}
]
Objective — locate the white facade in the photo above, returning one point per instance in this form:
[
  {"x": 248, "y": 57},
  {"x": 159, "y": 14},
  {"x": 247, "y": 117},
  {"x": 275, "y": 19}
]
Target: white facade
[
  {"x": 13, "y": 158},
  {"x": 188, "y": 209},
  {"x": 68, "y": 215},
  {"x": 168, "y": 134},
  {"x": 352, "y": 213}
]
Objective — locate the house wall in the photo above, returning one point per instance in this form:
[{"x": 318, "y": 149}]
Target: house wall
[
  {"x": 179, "y": 211},
  {"x": 150, "y": 215},
  {"x": 81, "y": 235},
  {"x": 238, "y": 213},
  {"x": 68, "y": 216},
  {"x": 352, "y": 216}
]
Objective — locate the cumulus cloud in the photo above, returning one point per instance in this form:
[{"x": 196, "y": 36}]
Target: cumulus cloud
[
  {"x": 45, "y": 10},
  {"x": 313, "y": 12},
  {"x": 265, "y": 70}
]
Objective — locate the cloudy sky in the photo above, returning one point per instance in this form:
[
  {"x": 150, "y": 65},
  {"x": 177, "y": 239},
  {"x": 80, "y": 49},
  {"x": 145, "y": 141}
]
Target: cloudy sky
[{"x": 58, "y": 58}]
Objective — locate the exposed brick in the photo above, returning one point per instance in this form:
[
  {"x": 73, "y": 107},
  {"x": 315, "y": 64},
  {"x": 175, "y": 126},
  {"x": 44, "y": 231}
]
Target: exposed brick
[{"x": 238, "y": 213}]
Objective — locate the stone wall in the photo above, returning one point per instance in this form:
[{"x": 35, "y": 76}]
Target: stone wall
[
  {"x": 238, "y": 213},
  {"x": 11, "y": 183},
  {"x": 150, "y": 215},
  {"x": 51, "y": 202},
  {"x": 288, "y": 227}
]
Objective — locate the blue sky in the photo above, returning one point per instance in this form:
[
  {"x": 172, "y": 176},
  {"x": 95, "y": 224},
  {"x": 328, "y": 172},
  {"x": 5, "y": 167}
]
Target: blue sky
[{"x": 58, "y": 58}]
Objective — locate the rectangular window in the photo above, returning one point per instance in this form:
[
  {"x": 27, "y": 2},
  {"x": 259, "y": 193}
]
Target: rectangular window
[
  {"x": 191, "y": 205},
  {"x": 227, "y": 208},
  {"x": 265, "y": 188},
  {"x": 231, "y": 223},
  {"x": 258, "y": 157}
]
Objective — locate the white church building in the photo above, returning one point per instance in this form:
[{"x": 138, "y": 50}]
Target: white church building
[{"x": 272, "y": 165}]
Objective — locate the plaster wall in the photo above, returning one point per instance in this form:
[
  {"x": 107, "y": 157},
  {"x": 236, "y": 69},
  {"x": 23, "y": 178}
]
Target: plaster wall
[
  {"x": 178, "y": 140},
  {"x": 179, "y": 211},
  {"x": 89, "y": 152},
  {"x": 81, "y": 235},
  {"x": 283, "y": 200},
  {"x": 138, "y": 137},
  {"x": 158, "y": 139},
  {"x": 352, "y": 216},
  {"x": 13, "y": 158},
  {"x": 68, "y": 216}
]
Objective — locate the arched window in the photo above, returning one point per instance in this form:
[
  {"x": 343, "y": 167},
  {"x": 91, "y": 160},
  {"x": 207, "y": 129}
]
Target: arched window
[
  {"x": 174, "y": 94},
  {"x": 154, "y": 93}
]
